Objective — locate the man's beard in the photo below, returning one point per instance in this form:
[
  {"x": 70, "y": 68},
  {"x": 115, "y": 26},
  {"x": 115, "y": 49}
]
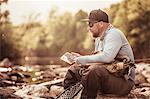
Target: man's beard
[{"x": 95, "y": 35}]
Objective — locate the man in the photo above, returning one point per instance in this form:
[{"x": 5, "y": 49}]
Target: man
[{"x": 110, "y": 43}]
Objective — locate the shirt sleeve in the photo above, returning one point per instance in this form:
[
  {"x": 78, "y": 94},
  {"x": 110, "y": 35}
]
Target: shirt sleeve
[{"x": 112, "y": 46}]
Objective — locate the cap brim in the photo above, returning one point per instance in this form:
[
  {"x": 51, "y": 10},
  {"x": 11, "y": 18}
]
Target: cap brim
[{"x": 84, "y": 20}]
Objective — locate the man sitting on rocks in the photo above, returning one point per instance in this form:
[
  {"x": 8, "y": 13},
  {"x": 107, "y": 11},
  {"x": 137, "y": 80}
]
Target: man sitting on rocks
[{"x": 110, "y": 43}]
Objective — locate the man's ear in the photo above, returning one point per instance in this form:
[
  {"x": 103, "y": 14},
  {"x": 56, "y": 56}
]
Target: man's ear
[{"x": 100, "y": 24}]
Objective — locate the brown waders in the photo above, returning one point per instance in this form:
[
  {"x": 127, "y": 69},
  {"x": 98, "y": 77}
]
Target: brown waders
[{"x": 97, "y": 78}]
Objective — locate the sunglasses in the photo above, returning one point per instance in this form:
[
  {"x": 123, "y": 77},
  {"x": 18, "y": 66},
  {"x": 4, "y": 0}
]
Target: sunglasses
[{"x": 91, "y": 24}]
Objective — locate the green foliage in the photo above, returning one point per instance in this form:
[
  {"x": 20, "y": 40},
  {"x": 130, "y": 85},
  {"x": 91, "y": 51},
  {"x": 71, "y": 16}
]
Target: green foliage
[
  {"x": 59, "y": 34},
  {"x": 68, "y": 32},
  {"x": 64, "y": 32},
  {"x": 7, "y": 47},
  {"x": 133, "y": 18}
]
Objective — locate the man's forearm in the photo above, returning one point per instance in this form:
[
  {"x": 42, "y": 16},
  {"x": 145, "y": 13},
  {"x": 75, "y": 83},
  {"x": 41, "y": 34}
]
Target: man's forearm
[{"x": 97, "y": 58}]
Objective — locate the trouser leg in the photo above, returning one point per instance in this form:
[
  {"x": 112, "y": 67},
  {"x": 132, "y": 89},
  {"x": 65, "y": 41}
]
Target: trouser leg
[
  {"x": 98, "y": 78},
  {"x": 72, "y": 76},
  {"x": 118, "y": 86},
  {"x": 93, "y": 80}
]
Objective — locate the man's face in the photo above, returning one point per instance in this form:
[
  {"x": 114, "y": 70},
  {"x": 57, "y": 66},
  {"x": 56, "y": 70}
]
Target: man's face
[{"x": 93, "y": 25}]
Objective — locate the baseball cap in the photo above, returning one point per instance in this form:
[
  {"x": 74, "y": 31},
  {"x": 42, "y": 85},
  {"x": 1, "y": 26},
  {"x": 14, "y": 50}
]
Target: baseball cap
[{"x": 97, "y": 15}]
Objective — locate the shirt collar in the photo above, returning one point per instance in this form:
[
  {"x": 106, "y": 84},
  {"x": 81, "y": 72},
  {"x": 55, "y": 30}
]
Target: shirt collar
[{"x": 104, "y": 33}]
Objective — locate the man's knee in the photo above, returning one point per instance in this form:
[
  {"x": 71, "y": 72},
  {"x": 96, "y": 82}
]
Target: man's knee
[
  {"x": 95, "y": 72},
  {"x": 72, "y": 76},
  {"x": 98, "y": 69},
  {"x": 74, "y": 68}
]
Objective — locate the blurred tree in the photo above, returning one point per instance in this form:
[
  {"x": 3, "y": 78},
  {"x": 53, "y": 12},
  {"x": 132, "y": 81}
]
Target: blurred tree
[
  {"x": 67, "y": 31},
  {"x": 133, "y": 18},
  {"x": 64, "y": 32},
  {"x": 27, "y": 35},
  {"x": 7, "y": 47},
  {"x": 4, "y": 14}
]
